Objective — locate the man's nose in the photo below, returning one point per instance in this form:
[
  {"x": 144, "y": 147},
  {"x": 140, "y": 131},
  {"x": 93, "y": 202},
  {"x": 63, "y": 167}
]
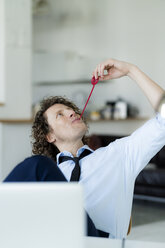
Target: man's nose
[{"x": 72, "y": 114}]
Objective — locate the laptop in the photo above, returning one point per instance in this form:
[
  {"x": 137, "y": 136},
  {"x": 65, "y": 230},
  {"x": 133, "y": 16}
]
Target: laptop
[{"x": 41, "y": 215}]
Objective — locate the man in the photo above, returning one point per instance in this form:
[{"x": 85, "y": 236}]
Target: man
[{"x": 107, "y": 174}]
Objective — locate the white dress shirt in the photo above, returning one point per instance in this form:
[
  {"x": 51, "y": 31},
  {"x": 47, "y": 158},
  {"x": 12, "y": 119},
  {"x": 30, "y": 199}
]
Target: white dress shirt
[{"x": 108, "y": 175}]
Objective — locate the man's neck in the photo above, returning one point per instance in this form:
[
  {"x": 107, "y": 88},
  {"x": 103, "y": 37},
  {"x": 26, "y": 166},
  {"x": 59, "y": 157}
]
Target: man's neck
[{"x": 71, "y": 147}]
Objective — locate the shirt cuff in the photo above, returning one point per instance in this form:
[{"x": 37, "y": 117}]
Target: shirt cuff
[{"x": 160, "y": 120}]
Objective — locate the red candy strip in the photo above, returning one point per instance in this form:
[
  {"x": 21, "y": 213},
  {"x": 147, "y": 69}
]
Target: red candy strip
[{"x": 93, "y": 82}]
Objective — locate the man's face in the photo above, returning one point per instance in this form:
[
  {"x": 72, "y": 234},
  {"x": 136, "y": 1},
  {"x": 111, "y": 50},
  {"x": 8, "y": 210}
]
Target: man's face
[{"x": 64, "y": 124}]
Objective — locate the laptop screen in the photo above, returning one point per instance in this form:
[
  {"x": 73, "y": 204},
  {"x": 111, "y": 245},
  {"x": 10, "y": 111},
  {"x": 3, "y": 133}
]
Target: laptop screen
[{"x": 41, "y": 215}]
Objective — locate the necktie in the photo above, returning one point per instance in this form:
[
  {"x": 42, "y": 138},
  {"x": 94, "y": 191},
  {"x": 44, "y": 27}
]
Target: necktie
[{"x": 75, "y": 176}]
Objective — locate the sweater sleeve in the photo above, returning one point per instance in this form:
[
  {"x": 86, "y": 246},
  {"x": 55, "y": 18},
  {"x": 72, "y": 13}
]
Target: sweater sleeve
[{"x": 35, "y": 168}]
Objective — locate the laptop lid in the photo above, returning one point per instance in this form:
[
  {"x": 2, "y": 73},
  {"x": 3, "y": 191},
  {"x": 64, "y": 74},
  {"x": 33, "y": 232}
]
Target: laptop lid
[{"x": 41, "y": 215}]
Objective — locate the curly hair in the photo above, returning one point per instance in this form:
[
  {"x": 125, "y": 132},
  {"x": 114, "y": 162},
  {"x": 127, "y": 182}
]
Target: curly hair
[{"x": 40, "y": 127}]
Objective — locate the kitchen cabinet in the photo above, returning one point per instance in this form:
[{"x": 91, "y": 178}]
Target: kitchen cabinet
[{"x": 15, "y": 144}]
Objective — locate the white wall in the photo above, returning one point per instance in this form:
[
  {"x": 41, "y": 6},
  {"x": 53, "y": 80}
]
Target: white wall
[
  {"x": 2, "y": 52},
  {"x": 15, "y": 81},
  {"x": 16, "y": 65},
  {"x": 95, "y": 30}
]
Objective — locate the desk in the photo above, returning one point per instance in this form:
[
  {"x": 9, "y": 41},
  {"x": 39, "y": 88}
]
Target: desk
[{"x": 91, "y": 242}]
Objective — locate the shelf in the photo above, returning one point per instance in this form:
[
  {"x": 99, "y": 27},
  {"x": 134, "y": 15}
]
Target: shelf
[
  {"x": 88, "y": 120},
  {"x": 116, "y": 127},
  {"x": 119, "y": 120},
  {"x": 62, "y": 83},
  {"x": 16, "y": 121}
]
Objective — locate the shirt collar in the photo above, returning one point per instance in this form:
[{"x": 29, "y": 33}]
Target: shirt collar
[{"x": 66, "y": 153}]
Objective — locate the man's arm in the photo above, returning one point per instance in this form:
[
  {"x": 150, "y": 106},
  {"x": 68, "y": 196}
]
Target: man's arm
[{"x": 117, "y": 69}]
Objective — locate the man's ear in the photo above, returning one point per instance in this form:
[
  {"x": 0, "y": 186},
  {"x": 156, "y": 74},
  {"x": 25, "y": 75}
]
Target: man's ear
[{"x": 50, "y": 138}]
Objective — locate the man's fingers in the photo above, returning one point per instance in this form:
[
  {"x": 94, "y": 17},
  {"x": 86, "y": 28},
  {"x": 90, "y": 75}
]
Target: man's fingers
[
  {"x": 100, "y": 68},
  {"x": 99, "y": 71},
  {"x": 96, "y": 72},
  {"x": 106, "y": 77}
]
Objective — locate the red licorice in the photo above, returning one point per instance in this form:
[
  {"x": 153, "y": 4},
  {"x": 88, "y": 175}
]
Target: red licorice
[{"x": 94, "y": 81}]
